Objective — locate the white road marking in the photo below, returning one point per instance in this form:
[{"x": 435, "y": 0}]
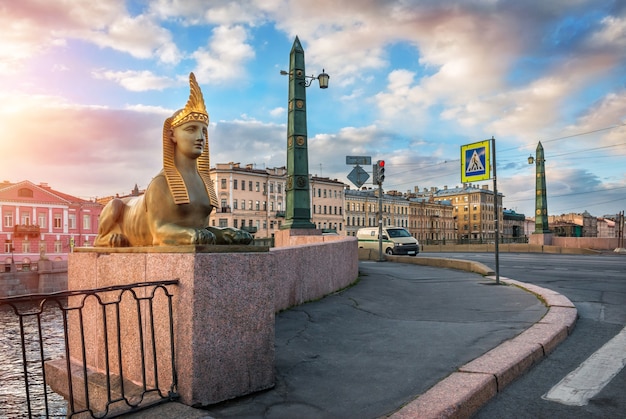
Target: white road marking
[{"x": 582, "y": 384}]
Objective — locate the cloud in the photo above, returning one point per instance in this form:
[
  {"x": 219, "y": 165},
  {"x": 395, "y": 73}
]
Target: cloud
[
  {"x": 105, "y": 151},
  {"x": 223, "y": 58},
  {"x": 136, "y": 81},
  {"x": 38, "y": 26}
]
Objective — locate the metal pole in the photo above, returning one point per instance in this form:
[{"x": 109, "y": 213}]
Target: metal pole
[
  {"x": 496, "y": 212},
  {"x": 380, "y": 223}
]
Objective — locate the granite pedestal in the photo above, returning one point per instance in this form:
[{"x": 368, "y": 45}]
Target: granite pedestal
[{"x": 223, "y": 309}]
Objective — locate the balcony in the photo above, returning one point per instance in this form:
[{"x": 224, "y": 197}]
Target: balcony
[
  {"x": 26, "y": 229},
  {"x": 280, "y": 214},
  {"x": 223, "y": 209}
]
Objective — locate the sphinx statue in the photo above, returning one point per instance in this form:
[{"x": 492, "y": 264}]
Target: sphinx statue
[{"x": 176, "y": 206}]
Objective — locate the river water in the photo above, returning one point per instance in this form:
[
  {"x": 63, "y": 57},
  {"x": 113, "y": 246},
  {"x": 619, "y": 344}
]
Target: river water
[{"x": 13, "y": 401}]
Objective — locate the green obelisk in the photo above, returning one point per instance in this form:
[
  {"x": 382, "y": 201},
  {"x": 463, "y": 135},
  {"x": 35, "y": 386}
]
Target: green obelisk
[
  {"x": 298, "y": 205},
  {"x": 541, "y": 198}
]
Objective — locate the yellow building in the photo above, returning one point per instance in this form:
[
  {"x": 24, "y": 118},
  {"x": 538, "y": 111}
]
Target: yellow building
[
  {"x": 473, "y": 210},
  {"x": 431, "y": 221}
]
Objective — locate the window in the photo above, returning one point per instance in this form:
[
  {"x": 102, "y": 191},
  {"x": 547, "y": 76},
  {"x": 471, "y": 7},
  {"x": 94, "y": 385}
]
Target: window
[
  {"x": 249, "y": 185},
  {"x": 280, "y": 188},
  {"x": 250, "y": 204},
  {"x": 235, "y": 223},
  {"x": 223, "y": 203},
  {"x": 71, "y": 219},
  {"x": 57, "y": 247},
  {"x": 257, "y": 206},
  {"x": 7, "y": 246},
  {"x": 25, "y": 247},
  {"x": 235, "y": 206},
  {"x": 243, "y": 203},
  {"x": 234, "y": 183},
  {"x": 8, "y": 219},
  {"x": 223, "y": 182},
  {"x": 223, "y": 222},
  {"x": 86, "y": 221},
  {"x": 243, "y": 185},
  {"x": 271, "y": 188},
  {"x": 257, "y": 187},
  {"x": 57, "y": 221},
  {"x": 26, "y": 219},
  {"x": 42, "y": 220}
]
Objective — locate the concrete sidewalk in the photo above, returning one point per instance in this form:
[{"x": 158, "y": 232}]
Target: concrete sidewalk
[{"x": 406, "y": 341}]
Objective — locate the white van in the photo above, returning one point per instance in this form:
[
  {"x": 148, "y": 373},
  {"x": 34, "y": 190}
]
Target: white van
[{"x": 396, "y": 240}]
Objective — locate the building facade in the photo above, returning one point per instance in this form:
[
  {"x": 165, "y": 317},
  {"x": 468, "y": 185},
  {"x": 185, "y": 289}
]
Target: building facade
[
  {"x": 362, "y": 209},
  {"x": 432, "y": 221},
  {"x": 327, "y": 202},
  {"x": 564, "y": 225},
  {"x": 426, "y": 220},
  {"x": 254, "y": 199},
  {"x": 473, "y": 209},
  {"x": 39, "y": 222},
  {"x": 513, "y": 225}
]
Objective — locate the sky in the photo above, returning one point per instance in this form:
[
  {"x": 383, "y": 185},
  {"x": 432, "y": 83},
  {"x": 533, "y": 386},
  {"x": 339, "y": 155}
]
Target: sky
[{"x": 86, "y": 85}]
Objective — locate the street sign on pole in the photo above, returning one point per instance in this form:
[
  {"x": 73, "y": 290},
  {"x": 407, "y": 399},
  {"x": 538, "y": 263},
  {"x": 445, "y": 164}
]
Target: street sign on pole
[
  {"x": 475, "y": 161},
  {"x": 359, "y": 160},
  {"x": 358, "y": 176}
]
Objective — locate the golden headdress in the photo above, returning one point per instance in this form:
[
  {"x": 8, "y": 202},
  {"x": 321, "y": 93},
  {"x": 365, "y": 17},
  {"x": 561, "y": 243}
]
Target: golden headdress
[{"x": 194, "y": 110}]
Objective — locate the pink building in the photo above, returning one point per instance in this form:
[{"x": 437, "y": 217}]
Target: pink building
[{"x": 38, "y": 222}]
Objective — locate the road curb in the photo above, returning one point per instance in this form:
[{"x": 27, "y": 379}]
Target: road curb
[{"x": 465, "y": 391}]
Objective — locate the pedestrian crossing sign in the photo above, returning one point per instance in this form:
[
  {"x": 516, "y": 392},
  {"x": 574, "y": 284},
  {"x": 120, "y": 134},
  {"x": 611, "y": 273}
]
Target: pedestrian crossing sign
[{"x": 475, "y": 161}]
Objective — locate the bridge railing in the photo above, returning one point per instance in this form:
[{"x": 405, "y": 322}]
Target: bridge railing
[{"x": 107, "y": 351}]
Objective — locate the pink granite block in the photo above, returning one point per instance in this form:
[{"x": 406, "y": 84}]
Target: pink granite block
[
  {"x": 566, "y": 316},
  {"x": 229, "y": 351},
  {"x": 557, "y": 300},
  {"x": 457, "y": 396},
  {"x": 548, "y": 335},
  {"x": 506, "y": 362}
]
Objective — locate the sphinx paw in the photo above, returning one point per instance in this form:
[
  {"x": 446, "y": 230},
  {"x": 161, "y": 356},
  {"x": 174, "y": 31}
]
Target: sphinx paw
[
  {"x": 203, "y": 236},
  {"x": 118, "y": 240},
  {"x": 228, "y": 235}
]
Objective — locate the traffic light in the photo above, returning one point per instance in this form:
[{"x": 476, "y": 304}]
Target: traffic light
[
  {"x": 378, "y": 172},
  {"x": 375, "y": 173}
]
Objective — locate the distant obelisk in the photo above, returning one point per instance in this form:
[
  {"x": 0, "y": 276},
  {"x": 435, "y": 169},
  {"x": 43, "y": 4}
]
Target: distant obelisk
[
  {"x": 298, "y": 199},
  {"x": 541, "y": 198}
]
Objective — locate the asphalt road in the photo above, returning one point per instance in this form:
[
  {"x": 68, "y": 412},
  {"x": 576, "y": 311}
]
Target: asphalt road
[{"x": 596, "y": 284}]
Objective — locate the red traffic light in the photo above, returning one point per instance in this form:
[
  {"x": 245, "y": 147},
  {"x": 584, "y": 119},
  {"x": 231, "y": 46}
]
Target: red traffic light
[{"x": 381, "y": 163}]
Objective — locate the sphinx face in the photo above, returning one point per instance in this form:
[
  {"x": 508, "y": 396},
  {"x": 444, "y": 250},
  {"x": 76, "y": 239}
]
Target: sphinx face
[{"x": 190, "y": 139}]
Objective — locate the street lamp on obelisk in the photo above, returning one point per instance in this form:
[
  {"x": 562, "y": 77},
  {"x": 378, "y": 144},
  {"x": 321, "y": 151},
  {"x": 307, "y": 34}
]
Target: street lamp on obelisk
[{"x": 298, "y": 205}]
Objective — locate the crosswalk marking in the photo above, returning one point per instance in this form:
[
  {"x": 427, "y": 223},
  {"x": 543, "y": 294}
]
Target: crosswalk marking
[{"x": 582, "y": 384}]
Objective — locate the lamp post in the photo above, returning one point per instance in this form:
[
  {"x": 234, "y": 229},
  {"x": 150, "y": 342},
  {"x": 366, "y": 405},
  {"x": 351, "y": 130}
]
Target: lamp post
[
  {"x": 541, "y": 197},
  {"x": 298, "y": 200}
]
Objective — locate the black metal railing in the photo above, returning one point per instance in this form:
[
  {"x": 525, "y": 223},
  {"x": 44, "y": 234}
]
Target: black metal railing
[{"x": 108, "y": 351}]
